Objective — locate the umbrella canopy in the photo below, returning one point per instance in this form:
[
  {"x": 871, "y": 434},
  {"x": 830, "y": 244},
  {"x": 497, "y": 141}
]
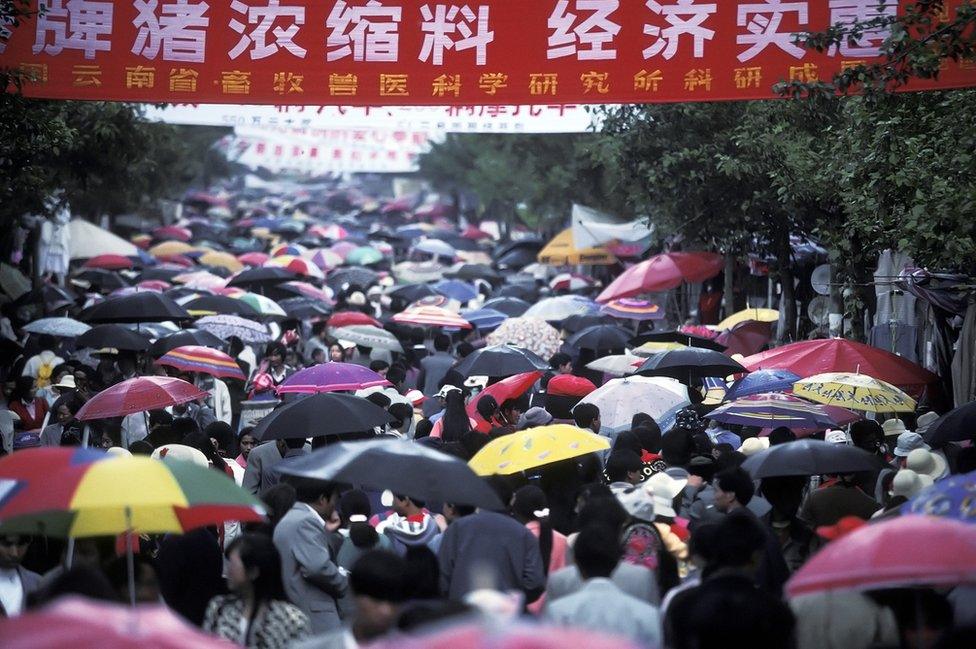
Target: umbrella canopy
[
  {"x": 749, "y": 315},
  {"x": 435, "y": 247},
  {"x": 773, "y": 409},
  {"x": 762, "y": 381},
  {"x": 297, "y": 265},
  {"x": 172, "y": 232},
  {"x": 349, "y": 318},
  {"x": 535, "y": 447},
  {"x": 400, "y": 466},
  {"x": 431, "y": 316},
  {"x": 556, "y": 309},
  {"x": 664, "y": 272},
  {"x": 620, "y": 399},
  {"x": 288, "y": 249},
  {"x": 81, "y": 622},
  {"x": 102, "y": 279},
  {"x": 137, "y": 395},
  {"x": 113, "y": 335},
  {"x": 13, "y": 282},
  {"x": 221, "y": 260},
  {"x": 325, "y": 259},
  {"x": 526, "y": 291},
  {"x": 364, "y": 256},
  {"x": 331, "y": 231},
  {"x": 193, "y": 358},
  {"x": 258, "y": 277},
  {"x": 510, "y": 388},
  {"x": 225, "y": 326},
  {"x": 109, "y": 262},
  {"x": 303, "y": 289},
  {"x": 949, "y": 498},
  {"x": 810, "y": 357},
  {"x": 412, "y": 292},
  {"x": 809, "y": 457},
  {"x": 185, "y": 337},
  {"x": 955, "y": 426},
  {"x": 87, "y": 240},
  {"x": 329, "y": 413},
  {"x": 531, "y": 333},
  {"x": 680, "y": 337},
  {"x": 513, "y": 307},
  {"x": 138, "y": 307},
  {"x": 456, "y": 290},
  {"x": 352, "y": 276},
  {"x": 484, "y": 319},
  {"x": 90, "y": 493},
  {"x": 855, "y": 392},
  {"x": 331, "y": 377},
  {"x": 60, "y": 327},
  {"x": 577, "y": 323},
  {"x": 633, "y": 309},
  {"x": 305, "y": 308},
  {"x": 368, "y": 336},
  {"x": 746, "y": 338},
  {"x": 571, "y": 282},
  {"x": 600, "y": 337},
  {"x": 562, "y": 251},
  {"x": 201, "y": 280},
  {"x": 170, "y": 248},
  {"x": 473, "y": 271},
  {"x": 219, "y": 304},
  {"x": 902, "y": 552},
  {"x": 500, "y": 360},
  {"x": 690, "y": 363},
  {"x": 265, "y": 306},
  {"x": 616, "y": 364},
  {"x": 253, "y": 259}
]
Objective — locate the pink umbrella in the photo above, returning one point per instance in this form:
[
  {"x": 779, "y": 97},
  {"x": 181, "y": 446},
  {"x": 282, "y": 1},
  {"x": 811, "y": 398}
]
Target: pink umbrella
[
  {"x": 664, "y": 272},
  {"x": 473, "y": 233},
  {"x": 297, "y": 265},
  {"x": 334, "y": 232},
  {"x": 137, "y": 395},
  {"x": 746, "y": 338},
  {"x": 195, "y": 358},
  {"x": 109, "y": 262},
  {"x": 173, "y": 232},
  {"x": 331, "y": 377},
  {"x": 311, "y": 291},
  {"x": 253, "y": 258},
  {"x": 179, "y": 260},
  {"x": 507, "y": 636},
  {"x": 905, "y": 551},
  {"x": 154, "y": 285}
]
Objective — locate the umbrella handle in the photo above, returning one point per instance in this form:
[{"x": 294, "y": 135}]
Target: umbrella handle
[{"x": 85, "y": 434}]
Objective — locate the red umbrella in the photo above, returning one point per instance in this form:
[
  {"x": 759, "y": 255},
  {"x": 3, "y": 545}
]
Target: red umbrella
[
  {"x": 746, "y": 337},
  {"x": 173, "y": 232},
  {"x": 510, "y": 388},
  {"x": 905, "y": 551},
  {"x": 137, "y": 395},
  {"x": 349, "y": 318},
  {"x": 664, "y": 272},
  {"x": 195, "y": 358},
  {"x": 473, "y": 233},
  {"x": 568, "y": 385},
  {"x": 157, "y": 285},
  {"x": 507, "y": 636},
  {"x": 810, "y": 357},
  {"x": 179, "y": 260},
  {"x": 109, "y": 262},
  {"x": 253, "y": 258}
]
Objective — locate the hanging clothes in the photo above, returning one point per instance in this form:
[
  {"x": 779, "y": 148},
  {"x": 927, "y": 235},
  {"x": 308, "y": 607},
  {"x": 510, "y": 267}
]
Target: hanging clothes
[{"x": 964, "y": 360}]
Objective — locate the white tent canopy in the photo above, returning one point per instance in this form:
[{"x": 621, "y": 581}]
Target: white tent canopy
[
  {"x": 592, "y": 228},
  {"x": 87, "y": 240}
]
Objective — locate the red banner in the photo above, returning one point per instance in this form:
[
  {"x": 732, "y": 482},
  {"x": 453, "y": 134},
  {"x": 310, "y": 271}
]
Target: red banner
[{"x": 419, "y": 52}]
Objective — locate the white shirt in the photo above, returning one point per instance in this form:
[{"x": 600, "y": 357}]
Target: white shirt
[{"x": 11, "y": 591}]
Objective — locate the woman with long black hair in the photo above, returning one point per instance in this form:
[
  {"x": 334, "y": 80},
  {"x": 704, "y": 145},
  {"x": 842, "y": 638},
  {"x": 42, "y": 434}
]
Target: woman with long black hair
[
  {"x": 455, "y": 421},
  {"x": 530, "y": 507}
]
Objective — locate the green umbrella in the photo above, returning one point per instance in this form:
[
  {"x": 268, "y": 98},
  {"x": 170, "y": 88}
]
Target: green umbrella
[{"x": 364, "y": 256}]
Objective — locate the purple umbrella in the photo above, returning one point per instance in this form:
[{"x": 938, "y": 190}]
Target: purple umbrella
[
  {"x": 331, "y": 377},
  {"x": 772, "y": 409}
]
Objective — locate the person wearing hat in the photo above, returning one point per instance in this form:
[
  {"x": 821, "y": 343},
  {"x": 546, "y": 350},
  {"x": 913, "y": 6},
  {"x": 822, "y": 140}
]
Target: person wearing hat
[
  {"x": 665, "y": 489},
  {"x": 753, "y": 445},
  {"x": 905, "y": 485},
  {"x": 641, "y": 541},
  {"x": 533, "y": 418},
  {"x": 908, "y": 442},
  {"x": 835, "y": 500},
  {"x": 927, "y": 463},
  {"x": 924, "y": 421},
  {"x": 893, "y": 427}
]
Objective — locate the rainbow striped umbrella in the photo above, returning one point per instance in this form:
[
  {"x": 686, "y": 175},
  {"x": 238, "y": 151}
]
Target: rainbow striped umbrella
[
  {"x": 631, "y": 309},
  {"x": 431, "y": 316},
  {"x": 290, "y": 249},
  {"x": 72, "y": 492},
  {"x": 194, "y": 358},
  {"x": 772, "y": 409}
]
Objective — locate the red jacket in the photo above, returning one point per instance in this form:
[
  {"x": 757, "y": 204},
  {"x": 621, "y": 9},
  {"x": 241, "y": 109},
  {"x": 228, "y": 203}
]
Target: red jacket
[{"x": 26, "y": 421}]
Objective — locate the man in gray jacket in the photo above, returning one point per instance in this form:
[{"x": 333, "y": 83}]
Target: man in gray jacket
[
  {"x": 312, "y": 580},
  {"x": 263, "y": 460}
]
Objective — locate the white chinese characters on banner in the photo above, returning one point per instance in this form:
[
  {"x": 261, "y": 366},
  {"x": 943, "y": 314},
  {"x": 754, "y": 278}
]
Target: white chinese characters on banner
[
  {"x": 75, "y": 25},
  {"x": 847, "y": 12},
  {"x": 367, "y": 33},
  {"x": 683, "y": 18},
  {"x": 181, "y": 30},
  {"x": 762, "y": 22},
  {"x": 448, "y": 27},
  {"x": 264, "y": 18},
  {"x": 589, "y": 39}
]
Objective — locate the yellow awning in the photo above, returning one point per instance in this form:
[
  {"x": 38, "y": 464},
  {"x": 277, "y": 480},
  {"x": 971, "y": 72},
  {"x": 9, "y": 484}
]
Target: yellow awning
[{"x": 562, "y": 251}]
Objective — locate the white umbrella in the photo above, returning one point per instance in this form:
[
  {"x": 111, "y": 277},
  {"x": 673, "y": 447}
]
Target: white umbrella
[
  {"x": 86, "y": 240},
  {"x": 60, "y": 327},
  {"x": 620, "y": 399},
  {"x": 436, "y": 247},
  {"x": 368, "y": 336},
  {"x": 616, "y": 364},
  {"x": 554, "y": 309}
]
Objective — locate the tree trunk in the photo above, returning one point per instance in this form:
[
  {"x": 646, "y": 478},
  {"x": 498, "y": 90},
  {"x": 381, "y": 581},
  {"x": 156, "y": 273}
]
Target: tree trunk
[
  {"x": 728, "y": 292},
  {"x": 787, "y": 304}
]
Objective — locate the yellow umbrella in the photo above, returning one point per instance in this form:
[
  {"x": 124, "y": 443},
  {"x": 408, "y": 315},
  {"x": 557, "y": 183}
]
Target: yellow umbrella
[
  {"x": 652, "y": 348},
  {"x": 528, "y": 449},
  {"x": 759, "y": 315},
  {"x": 854, "y": 391},
  {"x": 223, "y": 260},
  {"x": 167, "y": 248},
  {"x": 562, "y": 251}
]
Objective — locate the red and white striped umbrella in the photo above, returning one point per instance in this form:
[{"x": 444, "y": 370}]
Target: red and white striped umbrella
[
  {"x": 431, "y": 316},
  {"x": 195, "y": 358},
  {"x": 334, "y": 232},
  {"x": 570, "y": 282},
  {"x": 290, "y": 249},
  {"x": 297, "y": 265}
]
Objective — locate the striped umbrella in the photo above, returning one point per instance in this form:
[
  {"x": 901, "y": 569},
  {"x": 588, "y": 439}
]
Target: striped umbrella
[
  {"x": 265, "y": 306},
  {"x": 571, "y": 282},
  {"x": 139, "y": 394},
  {"x": 225, "y": 326},
  {"x": 334, "y": 232},
  {"x": 632, "y": 309},
  {"x": 194, "y": 358},
  {"x": 431, "y": 316},
  {"x": 297, "y": 265},
  {"x": 325, "y": 259},
  {"x": 772, "y": 409},
  {"x": 289, "y": 249}
]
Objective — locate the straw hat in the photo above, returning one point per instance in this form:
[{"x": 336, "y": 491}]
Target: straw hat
[
  {"x": 927, "y": 463},
  {"x": 908, "y": 483},
  {"x": 893, "y": 426},
  {"x": 924, "y": 421},
  {"x": 664, "y": 488},
  {"x": 754, "y": 445},
  {"x": 67, "y": 382}
]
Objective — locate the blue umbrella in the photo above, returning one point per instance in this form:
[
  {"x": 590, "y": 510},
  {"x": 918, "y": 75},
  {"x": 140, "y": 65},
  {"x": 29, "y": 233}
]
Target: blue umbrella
[
  {"x": 762, "y": 381},
  {"x": 484, "y": 319},
  {"x": 456, "y": 290},
  {"x": 953, "y": 497}
]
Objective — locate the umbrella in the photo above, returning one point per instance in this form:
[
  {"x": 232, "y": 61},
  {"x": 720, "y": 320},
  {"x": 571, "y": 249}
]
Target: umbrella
[
  {"x": 510, "y": 388},
  {"x": 762, "y": 381},
  {"x": 616, "y": 364},
  {"x": 664, "y": 272},
  {"x": 484, "y": 319},
  {"x": 219, "y": 304},
  {"x": 13, "y": 282},
  {"x": 563, "y": 251},
  {"x": 138, "y": 395},
  {"x": 305, "y": 308},
  {"x": 410, "y": 272},
  {"x": 169, "y": 248},
  {"x": 303, "y": 289},
  {"x": 571, "y": 282},
  {"x": 500, "y": 361},
  {"x": 364, "y": 256},
  {"x": 955, "y": 426},
  {"x": 201, "y": 280},
  {"x": 772, "y": 409},
  {"x": 809, "y": 457},
  {"x": 139, "y": 307},
  {"x": 352, "y": 276},
  {"x": 511, "y": 635},
  {"x": 435, "y": 247},
  {"x": 288, "y": 249},
  {"x": 400, "y": 466},
  {"x": 225, "y": 326},
  {"x": 526, "y": 291},
  {"x": 86, "y": 240},
  {"x": 60, "y": 327},
  {"x": 746, "y": 338},
  {"x": 473, "y": 272},
  {"x": 328, "y": 413},
  {"x": 172, "y": 232},
  {"x": 680, "y": 337},
  {"x": 164, "y": 273},
  {"x": 332, "y": 231},
  {"x": 258, "y": 277},
  {"x": 633, "y": 309},
  {"x": 810, "y": 357},
  {"x": 297, "y": 265},
  {"x": 101, "y": 278},
  {"x": 949, "y": 498},
  {"x": 855, "y": 392},
  {"x": 922, "y": 551},
  {"x": 194, "y": 358},
  {"x": 368, "y": 336},
  {"x": 600, "y": 337},
  {"x": 577, "y": 323},
  {"x": 185, "y": 337},
  {"x": 456, "y": 290},
  {"x": 648, "y": 349},
  {"x": 112, "y": 335},
  {"x": 513, "y": 307},
  {"x": 324, "y": 259},
  {"x": 221, "y": 260},
  {"x": 531, "y": 333},
  {"x": 555, "y": 309},
  {"x": 264, "y": 306},
  {"x": 620, "y": 399},
  {"x": 108, "y": 262},
  {"x": 343, "y": 248},
  {"x": 81, "y": 622},
  {"x": 535, "y": 447},
  {"x": 349, "y": 318},
  {"x": 412, "y": 292},
  {"x": 690, "y": 363},
  {"x": 331, "y": 377},
  {"x": 749, "y": 315},
  {"x": 157, "y": 285},
  {"x": 431, "y": 316},
  {"x": 253, "y": 259}
]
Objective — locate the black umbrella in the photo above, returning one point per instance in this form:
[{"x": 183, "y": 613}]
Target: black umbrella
[
  {"x": 103, "y": 279},
  {"x": 809, "y": 457},
  {"x": 221, "y": 305},
  {"x": 260, "y": 277},
  {"x": 322, "y": 414},
  {"x": 138, "y": 307},
  {"x": 183, "y": 338},
  {"x": 955, "y": 426},
  {"x": 475, "y": 271},
  {"x": 577, "y": 323},
  {"x": 500, "y": 360},
  {"x": 600, "y": 337},
  {"x": 412, "y": 292},
  {"x": 518, "y": 258},
  {"x": 178, "y": 292},
  {"x": 305, "y": 308},
  {"x": 677, "y": 337},
  {"x": 527, "y": 292},
  {"x": 113, "y": 335},
  {"x": 402, "y": 467},
  {"x": 164, "y": 274},
  {"x": 690, "y": 363},
  {"x": 352, "y": 276},
  {"x": 513, "y": 307}
]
